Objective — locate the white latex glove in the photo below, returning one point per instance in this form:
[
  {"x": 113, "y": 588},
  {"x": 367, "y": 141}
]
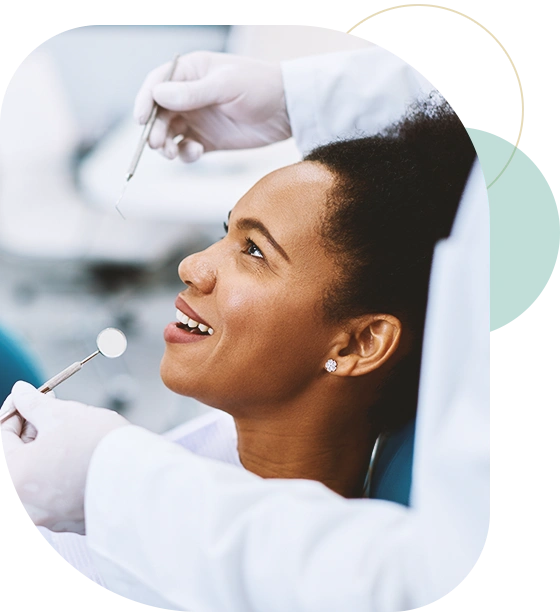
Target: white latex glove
[
  {"x": 48, "y": 463},
  {"x": 215, "y": 101}
]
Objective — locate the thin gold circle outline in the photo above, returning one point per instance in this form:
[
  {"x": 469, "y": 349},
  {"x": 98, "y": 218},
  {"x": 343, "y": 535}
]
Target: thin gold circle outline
[{"x": 507, "y": 54}]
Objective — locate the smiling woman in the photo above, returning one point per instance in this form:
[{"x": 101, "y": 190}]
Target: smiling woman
[
  {"x": 305, "y": 321},
  {"x": 303, "y": 326}
]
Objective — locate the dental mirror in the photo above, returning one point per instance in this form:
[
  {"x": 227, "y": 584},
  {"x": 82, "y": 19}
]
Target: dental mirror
[{"x": 111, "y": 342}]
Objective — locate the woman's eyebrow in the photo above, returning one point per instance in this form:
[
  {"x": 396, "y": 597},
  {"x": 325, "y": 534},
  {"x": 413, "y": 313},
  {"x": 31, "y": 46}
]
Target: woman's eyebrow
[{"x": 249, "y": 223}]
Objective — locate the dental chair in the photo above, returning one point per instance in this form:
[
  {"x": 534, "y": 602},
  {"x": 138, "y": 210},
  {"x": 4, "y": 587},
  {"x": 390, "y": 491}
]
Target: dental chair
[
  {"x": 15, "y": 364},
  {"x": 392, "y": 474}
]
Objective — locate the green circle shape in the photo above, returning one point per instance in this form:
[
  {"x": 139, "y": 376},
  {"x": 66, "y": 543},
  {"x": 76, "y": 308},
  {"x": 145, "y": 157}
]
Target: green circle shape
[{"x": 524, "y": 229}]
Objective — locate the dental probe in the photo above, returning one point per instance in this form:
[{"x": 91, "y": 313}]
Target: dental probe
[
  {"x": 111, "y": 342},
  {"x": 144, "y": 137}
]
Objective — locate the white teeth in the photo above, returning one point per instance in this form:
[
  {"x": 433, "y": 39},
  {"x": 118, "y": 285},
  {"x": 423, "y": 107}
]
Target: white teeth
[
  {"x": 192, "y": 324},
  {"x": 182, "y": 318}
]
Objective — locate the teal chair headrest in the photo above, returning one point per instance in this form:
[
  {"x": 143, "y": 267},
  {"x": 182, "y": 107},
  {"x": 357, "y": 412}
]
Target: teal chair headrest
[
  {"x": 392, "y": 476},
  {"x": 15, "y": 364}
]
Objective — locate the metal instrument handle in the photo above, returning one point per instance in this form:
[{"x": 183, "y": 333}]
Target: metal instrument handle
[
  {"x": 60, "y": 377},
  {"x": 148, "y": 127}
]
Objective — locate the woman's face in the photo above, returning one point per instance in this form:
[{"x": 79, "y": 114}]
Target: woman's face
[{"x": 260, "y": 289}]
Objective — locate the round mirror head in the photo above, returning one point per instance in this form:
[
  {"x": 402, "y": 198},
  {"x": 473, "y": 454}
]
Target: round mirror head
[{"x": 111, "y": 342}]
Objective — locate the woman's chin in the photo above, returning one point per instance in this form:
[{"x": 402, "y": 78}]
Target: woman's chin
[{"x": 174, "y": 379}]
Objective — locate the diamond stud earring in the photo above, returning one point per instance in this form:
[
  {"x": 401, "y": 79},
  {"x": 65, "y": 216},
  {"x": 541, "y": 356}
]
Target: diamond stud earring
[{"x": 331, "y": 365}]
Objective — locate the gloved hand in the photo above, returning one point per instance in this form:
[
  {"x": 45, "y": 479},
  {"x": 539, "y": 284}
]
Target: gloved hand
[
  {"x": 49, "y": 463},
  {"x": 215, "y": 101}
]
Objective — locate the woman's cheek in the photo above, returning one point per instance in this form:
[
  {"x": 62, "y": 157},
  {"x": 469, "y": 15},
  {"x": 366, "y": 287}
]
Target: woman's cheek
[{"x": 244, "y": 305}]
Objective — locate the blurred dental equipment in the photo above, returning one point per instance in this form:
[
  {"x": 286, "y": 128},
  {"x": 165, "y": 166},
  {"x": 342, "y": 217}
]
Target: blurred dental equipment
[
  {"x": 144, "y": 138},
  {"x": 111, "y": 343}
]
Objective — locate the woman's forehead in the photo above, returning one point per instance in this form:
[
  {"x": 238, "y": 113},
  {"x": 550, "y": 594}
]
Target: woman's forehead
[
  {"x": 298, "y": 189},
  {"x": 306, "y": 175}
]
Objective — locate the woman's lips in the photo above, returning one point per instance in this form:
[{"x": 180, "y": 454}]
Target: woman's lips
[{"x": 177, "y": 335}]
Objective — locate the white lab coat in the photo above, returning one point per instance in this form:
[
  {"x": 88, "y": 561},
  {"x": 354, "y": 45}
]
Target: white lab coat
[
  {"x": 212, "y": 435},
  {"x": 175, "y": 530}
]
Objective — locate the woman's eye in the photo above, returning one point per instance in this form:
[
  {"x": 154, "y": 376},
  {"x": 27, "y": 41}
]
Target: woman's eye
[
  {"x": 253, "y": 249},
  {"x": 226, "y": 227}
]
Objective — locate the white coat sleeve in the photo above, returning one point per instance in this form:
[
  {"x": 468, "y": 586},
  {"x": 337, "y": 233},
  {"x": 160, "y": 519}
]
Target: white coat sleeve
[
  {"x": 178, "y": 531},
  {"x": 348, "y": 95}
]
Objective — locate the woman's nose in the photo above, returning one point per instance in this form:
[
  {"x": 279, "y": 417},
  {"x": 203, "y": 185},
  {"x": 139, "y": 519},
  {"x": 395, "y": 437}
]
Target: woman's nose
[{"x": 198, "y": 271}]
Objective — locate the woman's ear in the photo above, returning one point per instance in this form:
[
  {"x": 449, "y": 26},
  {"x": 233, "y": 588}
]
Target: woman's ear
[{"x": 369, "y": 343}]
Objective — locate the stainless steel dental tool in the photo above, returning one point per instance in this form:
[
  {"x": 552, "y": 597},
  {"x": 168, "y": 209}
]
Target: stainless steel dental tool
[
  {"x": 111, "y": 342},
  {"x": 144, "y": 137}
]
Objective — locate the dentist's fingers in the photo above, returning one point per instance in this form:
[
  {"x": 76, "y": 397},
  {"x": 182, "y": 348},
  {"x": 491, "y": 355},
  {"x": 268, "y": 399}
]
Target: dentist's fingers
[
  {"x": 28, "y": 432},
  {"x": 175, "y": 134},
  {"x": 191, "y": 67},
  {"x": 160, "y": 129},
  {"x": 40, "y": 409},
  {"x": 144, "y": 99},
  {"x": 170, "y": 149},
  {"x": 185, "y": 96},
  {"x": 190, "y": 150},
  {"x": 17, "y": 424},
  {"x": 11, "y": 433},
  {"x": 13, "y": 425}
]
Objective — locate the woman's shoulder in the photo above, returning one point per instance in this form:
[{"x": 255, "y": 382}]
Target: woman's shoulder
[{"x": 211, "y": 435}]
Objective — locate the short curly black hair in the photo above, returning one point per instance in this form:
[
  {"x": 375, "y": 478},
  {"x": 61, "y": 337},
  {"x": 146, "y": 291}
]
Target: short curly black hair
[{"x": 395, "y": 195}]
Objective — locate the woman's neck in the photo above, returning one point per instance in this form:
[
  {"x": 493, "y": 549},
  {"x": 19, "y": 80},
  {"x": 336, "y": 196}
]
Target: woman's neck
[{"x": 331, "y": 446}]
